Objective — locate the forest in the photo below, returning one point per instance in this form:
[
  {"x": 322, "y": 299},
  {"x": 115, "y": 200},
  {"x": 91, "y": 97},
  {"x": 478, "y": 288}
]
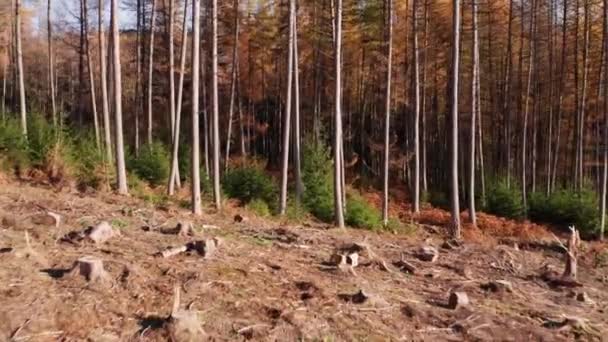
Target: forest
[{"x": 208, "y": 150}]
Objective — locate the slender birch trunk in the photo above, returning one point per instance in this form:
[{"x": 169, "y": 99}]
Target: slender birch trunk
[
  {"x": 529, "y": 94},
  {"x": 296, "y": 120},
  {"x": 455, "y": 205},
  {"x": 151, "y": 70},
  {"x": 387, "y": 113},
  {"x": 121, "y": 172},
  {"x": 51, "y": 67},
  {"x": 287, "y": 119},
  {"x": 416, "y": 137},
  {"x": 338, "y": 191},
  {"x": 233, "y": 82},
  {"x": 583, "y": 108},
  {"x": 604, "y": 147},
  {"x": 19, "y": 51},
  {"x": 85, "y": 12},
  {"x": 474, "y": 113},
  {"x": 178, "y": 112},
  {"x": 104, "y": 84},
  {"x": 196, "y": 174},
  {"x": 215, "y": 115}
]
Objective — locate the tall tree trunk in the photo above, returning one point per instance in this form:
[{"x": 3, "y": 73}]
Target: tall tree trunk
[
  {"x": 51, "y": 66},
  {"x": 287, "y": 119},
  {"x": 560, "y": 91},
  {"x": 175, "y": 177},
  {"x": 507, "y": 95},
  {"x": 121, "y": 172},
  {"x": 387, "y": 107},
  {"x": 215, "y": 114},
  {"x": 529, "y": 94},
  {"x": 19, "y": 51},
  {"x": 195, "y": 176},
  {"x": 581, "y": 126},
  {"x": 178, "y": 113},
  {"x": 104, "y": 85},
  {"x": 233, "y": 81},
  {"x": 296, "y": 120},
  {"x": 151, "y": 70},
  {"x": 605, "y": 154},
  {"x": 85, "y": 12},
  {"x": 423, "y": 101},
  {"x": 474, "y": 113},
  {"x": 416, "y": 138},
  {"x": 139, "y": 87},
  {"x": 4, "y": 77},
  {"x": 338, "y": 191},
  {"x": 454, "y": 200},
  {"x": 551, "y": 95}
]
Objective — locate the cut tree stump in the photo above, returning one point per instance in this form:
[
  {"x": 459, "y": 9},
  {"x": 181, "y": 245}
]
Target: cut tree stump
[
  {"x": 458, "y": 300},
  {"x": 102, "y": 233},
  {"x": 184, "y": 229},
  {"x": 184, "y": 325},
  {"x": 90, "y": 267},
  {"x": 205, "y": 248},
  {"x": 172, "y": 251},
  {"x": 47, "y": 219},
  {"x": 428, "y": 253},
  {"x": 574, "y": 241}
]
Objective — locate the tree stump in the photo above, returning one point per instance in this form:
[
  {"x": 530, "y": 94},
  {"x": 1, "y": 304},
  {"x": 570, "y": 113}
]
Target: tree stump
[
  {"x": 570, "y": 271},
  {"x": 458, "y": 300},
  {"x": 102, "y": 233},
  {"x": 90, "y": 267},
  {"x": 428, "y": 253}
]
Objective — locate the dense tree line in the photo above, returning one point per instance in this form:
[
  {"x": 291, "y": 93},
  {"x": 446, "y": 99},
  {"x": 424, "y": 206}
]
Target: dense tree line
[{"x": 431, "y": 96}]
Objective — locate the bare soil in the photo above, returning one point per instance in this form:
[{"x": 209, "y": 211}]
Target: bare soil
[{"x": 269, "y": 279}]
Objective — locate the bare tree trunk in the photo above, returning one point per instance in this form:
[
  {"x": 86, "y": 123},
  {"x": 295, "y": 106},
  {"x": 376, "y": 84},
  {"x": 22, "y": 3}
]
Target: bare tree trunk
[
  {"x": 581, "y": 126},
  {"x": 455, "y": 205},
  {"x": 526, "y": 106},
  {"x": 604, "y": 147},
  {"x": 560, "y": 92},
  {"x": 507, "y": 94},
  {"x": 178, "y": 112},
  {"x": 175, "y": 177},
  {"x": 121, "y": 172},
  {"x": 338, "y": 191},
  {"x": 387, "y": 108},
  {"x": 139, "y": 87},
  {"x": 233, "y": 82},
  {"x": 572, "y": 254},
  {"x": 287, "y": 120},
  {"x": 104, "y": 85},
  {"x": 22, "y": 108},
  {"x": 151, "y": 70},
  {"x": 423, "y": 113},
  {"x": 474, "y": 113},
  {"x": 195, "y": 176},
  {"x": 85, "y": 12},
  {"x": 4, "y": 76},
  {"x": 296, "y": 119},
  {"x": 51, "y": 67},
  {"x": 215, "y": 123},
  {"x": 416, "y": 138}
]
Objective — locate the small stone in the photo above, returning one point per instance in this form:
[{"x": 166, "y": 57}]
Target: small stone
[
  {"x": 428, "y": 253},
  {"x": 499, "y": 286},
  {"x": 458, "y": 300},
  {"x": 47, "y": 219},
  {"x": 90, "y": 267},
  {"x": 102, "y": 232}
]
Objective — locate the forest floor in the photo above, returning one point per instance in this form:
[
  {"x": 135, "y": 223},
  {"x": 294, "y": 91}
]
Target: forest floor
[{"x": 270, "y": 280}]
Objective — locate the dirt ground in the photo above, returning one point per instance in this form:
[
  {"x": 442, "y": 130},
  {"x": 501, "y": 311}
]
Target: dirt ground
[{"x": 270, "y": 280}]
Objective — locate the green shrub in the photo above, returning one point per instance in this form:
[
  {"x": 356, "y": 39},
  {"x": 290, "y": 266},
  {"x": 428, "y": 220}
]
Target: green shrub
[
  {"x": 13, "y": 145},
  {"x": 249, "y": 182},
  {"x": 42, "y": 138},
  {"x": 360, "y": 214},
  {"x": 259, "y": 207},
  {"x": 504, "y": 201},
  {"x": 152, "y": 164},
  {"x": 89, "y": 161},
  {"x": 317, "y": 176},
  {"x": 566, "y": 207}
]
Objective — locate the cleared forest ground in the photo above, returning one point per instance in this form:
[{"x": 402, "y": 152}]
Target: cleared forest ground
[{"x": 270, "y": 281}]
